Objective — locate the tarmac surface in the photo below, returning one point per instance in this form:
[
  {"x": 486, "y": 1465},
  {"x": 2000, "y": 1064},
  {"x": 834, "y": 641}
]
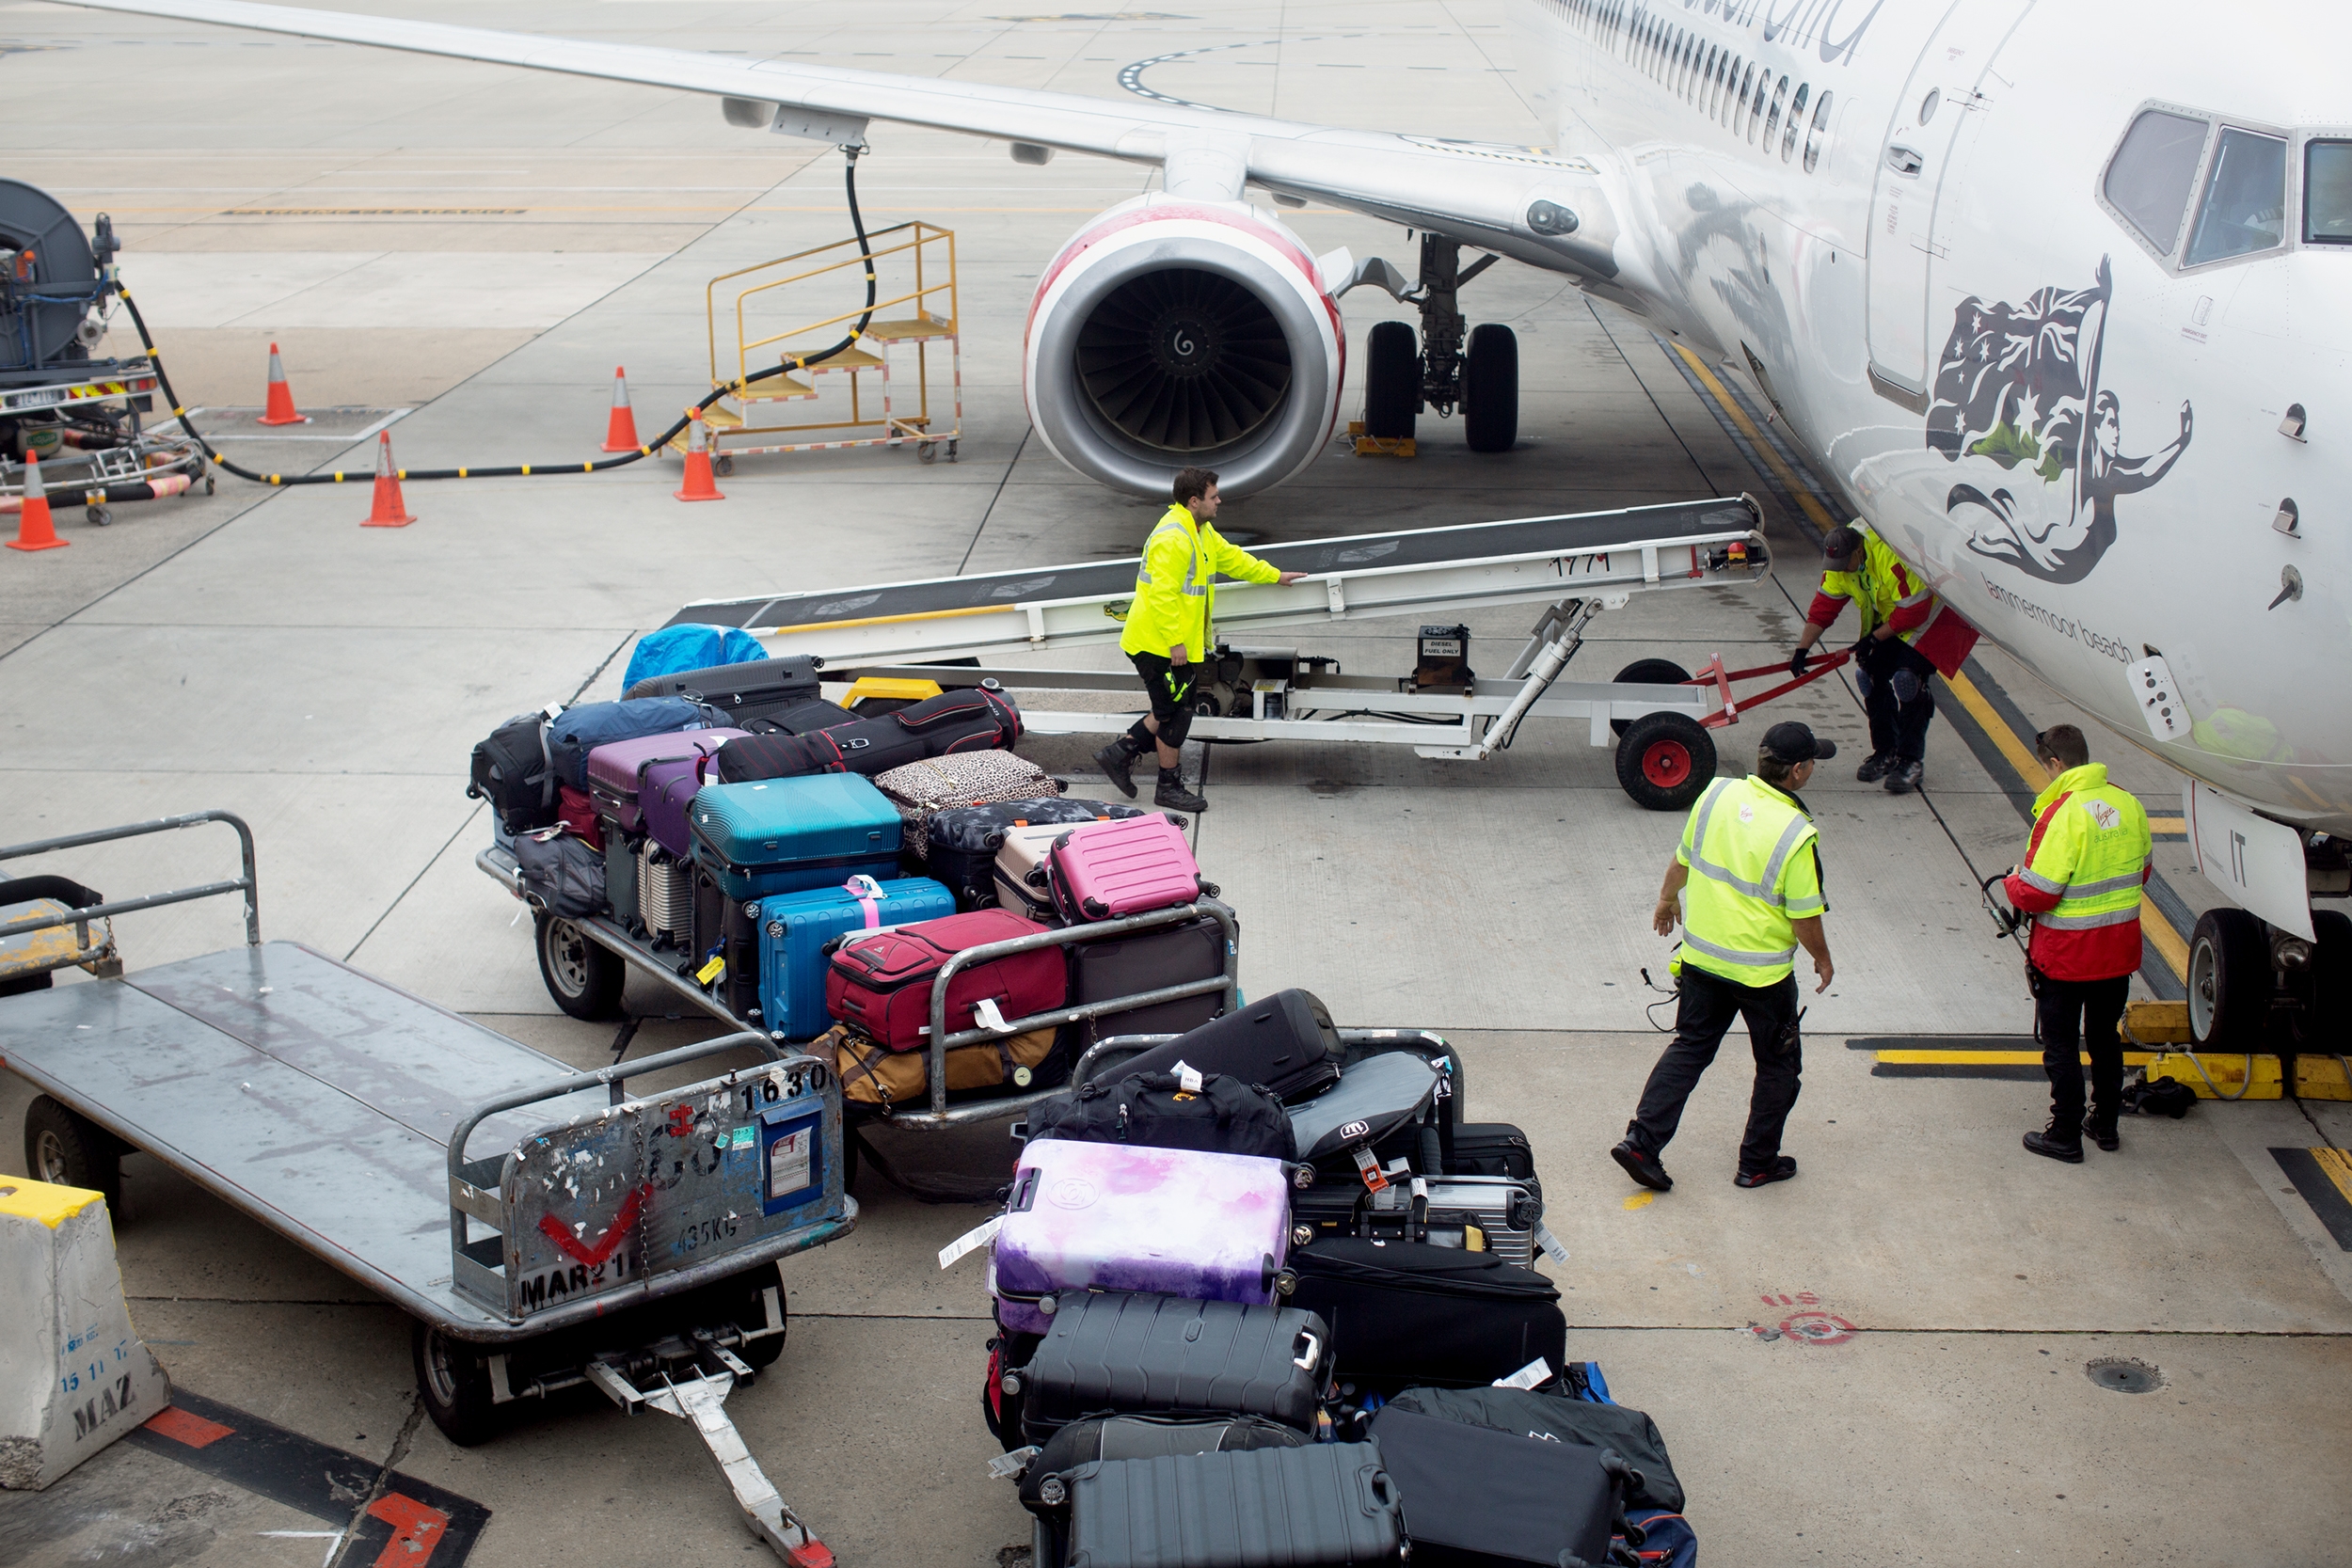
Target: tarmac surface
[{"x": 1883, "y": 1361}]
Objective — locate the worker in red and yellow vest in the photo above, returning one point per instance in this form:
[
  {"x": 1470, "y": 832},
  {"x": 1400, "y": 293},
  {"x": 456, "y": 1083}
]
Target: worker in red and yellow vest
[
  {"x": 1907, "y": 635},
  {"x": 2081, "y": 882},
  {"x": 1168, "y": 632}
]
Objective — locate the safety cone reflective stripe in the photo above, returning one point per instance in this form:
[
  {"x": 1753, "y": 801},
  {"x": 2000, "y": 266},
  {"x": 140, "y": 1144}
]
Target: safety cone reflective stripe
[
  {"x": 390, "y": 511},
  {"x": 700, "y": 486},
  {"x": 34, "y": 530},
  {"x": 281, "y": 408},
  {"x": 620, "y": 434}
]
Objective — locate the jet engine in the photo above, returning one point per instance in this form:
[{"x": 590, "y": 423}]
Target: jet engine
[{"x": 1174, "y": 333}]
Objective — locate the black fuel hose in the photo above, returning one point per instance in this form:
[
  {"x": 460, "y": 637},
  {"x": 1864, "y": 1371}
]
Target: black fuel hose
[{"x": 857, "y": 221}]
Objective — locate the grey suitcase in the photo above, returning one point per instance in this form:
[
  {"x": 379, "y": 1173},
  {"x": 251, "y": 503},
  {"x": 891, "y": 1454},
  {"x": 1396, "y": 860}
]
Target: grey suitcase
[
  {"x": 1504, "y": 1211},
  {"x": 1145, "y": 1355},
  {"x": 1328, "y": 1505},
  {"x": 665, "y": 893}
]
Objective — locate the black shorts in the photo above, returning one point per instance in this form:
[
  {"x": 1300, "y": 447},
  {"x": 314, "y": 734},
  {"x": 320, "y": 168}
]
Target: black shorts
[{"x": 1171, "y": 703}]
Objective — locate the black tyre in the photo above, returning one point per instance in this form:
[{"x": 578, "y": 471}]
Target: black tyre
[
  {"x": 1391, "y": 381},
  {"x": 1646, "y": 672},
  {"x": 584, "y": 979},
  {"x": 100, "y": 516},
  {"x": 67, "y": 1148},
  {"x": 750, "y": 1316},
  {"x": 723, "y": 466},
  {"x": 2331, "y": 981},
  {"x": 2228, "y": 981},
  {"x": 1666, "y": 761},
  {"x": 453, "y": 1379},
  {"x": 1490, "y": 388}
]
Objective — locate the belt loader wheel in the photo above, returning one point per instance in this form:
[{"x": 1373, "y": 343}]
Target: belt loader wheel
[
  {"x": 584, "y": 979},
  {"x": 1666, "y": 761},
  {"x": 1646, "y": 672},
  {"x": 2229, "y": 980}
]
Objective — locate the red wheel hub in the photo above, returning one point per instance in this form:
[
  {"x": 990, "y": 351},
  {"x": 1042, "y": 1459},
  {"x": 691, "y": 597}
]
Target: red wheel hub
[{"x": 1666, "y": 763}]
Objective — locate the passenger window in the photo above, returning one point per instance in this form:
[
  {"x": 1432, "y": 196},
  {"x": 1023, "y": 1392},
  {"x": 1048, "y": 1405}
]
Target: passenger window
[
  {"x": 1817, "y": 133},
  {"x": 2153, "y": 171},
  {"x": 2245, "y": 199},
  {"x": 1796, "y": 112},
  {"x": 1771, "y": 120},
  {"x": 1749, "y": 102},
  {"x": 1730, "y": 109},
  {"x": 2327, "y": 193}
]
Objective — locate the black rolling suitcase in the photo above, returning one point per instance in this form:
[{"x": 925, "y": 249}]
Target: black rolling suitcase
[
  {"x": 1567, "y": 1420},
  {"x": 760, "y": 689},
  {"x": 1478, "y": 1497},
  {"x": 1328, "y": 1505},
  {"x": 1284, "y": 1041},
  {"x": 1115, "y": 1437},
  {"x": 1146, "y": 1354},
  {"x": 1147, "y": 961},
  {"x": 727, "y": 931},
  {"x": 1405, "y": 1312}
]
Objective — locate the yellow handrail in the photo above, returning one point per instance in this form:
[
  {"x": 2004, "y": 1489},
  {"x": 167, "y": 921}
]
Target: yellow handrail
[{"x": 919, "y": 235}]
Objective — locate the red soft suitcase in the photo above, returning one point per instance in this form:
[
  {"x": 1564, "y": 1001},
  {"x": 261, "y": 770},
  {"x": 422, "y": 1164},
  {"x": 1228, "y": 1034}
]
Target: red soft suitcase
[
  {"x": 1102, "y": 870},
  {"x": 880, "y": 985}
]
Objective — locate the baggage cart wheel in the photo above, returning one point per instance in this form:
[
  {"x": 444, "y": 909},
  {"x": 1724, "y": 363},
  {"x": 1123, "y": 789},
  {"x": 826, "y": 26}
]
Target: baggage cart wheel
[
  {"x": 1646, "y": 672},
  {"x": 100, "y": 515},
  {"x": 1490, "y": 388},
  {"x": 1666, "y": 761},
  {"x": 1391, "y": 381},
  {"x": 584, "y": 979},
  {"x": 723, "y": 466},
  {"x": 453, "y": 1379},
  {"x": 750, "y": 1314},
  {"x": 2229, "y": 980},
  {"x": 68, "y": 1149}
]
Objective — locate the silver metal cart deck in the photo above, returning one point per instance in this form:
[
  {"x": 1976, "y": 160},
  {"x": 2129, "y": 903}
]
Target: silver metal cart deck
[{"x": 591, "y": 1237}]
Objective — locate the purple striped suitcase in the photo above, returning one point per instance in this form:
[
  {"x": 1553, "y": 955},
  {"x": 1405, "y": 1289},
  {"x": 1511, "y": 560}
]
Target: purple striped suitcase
[
  {"x": 669, "y": 787},
  {"x": 617, "y": 769},
  {"x": 1117, "y": 1217}
]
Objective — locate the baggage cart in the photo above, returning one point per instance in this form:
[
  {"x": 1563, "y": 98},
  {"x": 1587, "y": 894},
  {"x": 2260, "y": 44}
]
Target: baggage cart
[{"x": 544, "y": 1228}]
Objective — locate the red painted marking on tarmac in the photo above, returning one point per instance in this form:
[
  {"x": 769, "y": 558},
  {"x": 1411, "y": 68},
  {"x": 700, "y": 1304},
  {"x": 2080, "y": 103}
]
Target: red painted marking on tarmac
[
  {"x": 183, "y": 1426},
  {"x": 416, "y": 1530},
  {"x": 1818, "y": 1328},
  {"x": 553, "y": 1229}
]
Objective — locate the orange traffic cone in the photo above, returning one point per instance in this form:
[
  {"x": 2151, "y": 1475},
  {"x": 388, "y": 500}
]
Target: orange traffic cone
[
  {"x": 390, "y": 511},
  {"x": 34, "y": 530},
  {"x": 620, "y": 434},
  {"x": 700, "y": 486},
  {"x": 281, "y": 408}
]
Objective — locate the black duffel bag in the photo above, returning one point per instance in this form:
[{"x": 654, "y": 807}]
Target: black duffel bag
[
  {"x": 1537, "y": 1413},
  {"x": 560, "y": 872},
  {"x": 975, "y": 719},
  {"x": 1217, "y": 1116}
]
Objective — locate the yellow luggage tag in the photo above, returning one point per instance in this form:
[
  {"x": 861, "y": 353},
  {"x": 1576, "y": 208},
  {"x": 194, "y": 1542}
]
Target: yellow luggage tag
[{"x": 710, "y": 971}]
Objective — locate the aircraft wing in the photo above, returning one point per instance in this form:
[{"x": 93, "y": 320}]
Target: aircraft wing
[{"x": 1472, "y": 192}]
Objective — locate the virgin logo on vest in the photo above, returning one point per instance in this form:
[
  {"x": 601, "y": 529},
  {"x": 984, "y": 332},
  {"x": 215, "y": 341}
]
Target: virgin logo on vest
[{"x": 2102, "y": 814}]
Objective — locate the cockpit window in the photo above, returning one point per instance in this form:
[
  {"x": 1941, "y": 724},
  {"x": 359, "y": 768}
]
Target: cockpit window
[
  {"x": 2245, "y": 199},
  {"x": 2327, "y": 193},
  {"x": 2153, "y": 171}
]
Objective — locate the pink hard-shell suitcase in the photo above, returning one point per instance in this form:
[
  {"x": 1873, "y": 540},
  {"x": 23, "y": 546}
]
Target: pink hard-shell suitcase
[
  {"x": 616, "y": 771},
  {"x": 1102, "y": 870},
  {"x": 1085, "y": 1216}
]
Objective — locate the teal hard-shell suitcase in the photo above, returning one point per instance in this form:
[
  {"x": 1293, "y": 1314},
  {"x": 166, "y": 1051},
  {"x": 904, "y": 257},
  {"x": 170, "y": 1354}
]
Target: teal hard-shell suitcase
[{"x": 785, "y": 835}]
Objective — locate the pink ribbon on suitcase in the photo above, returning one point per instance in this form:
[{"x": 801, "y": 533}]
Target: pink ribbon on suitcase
[{"x": 869, "y": 894}]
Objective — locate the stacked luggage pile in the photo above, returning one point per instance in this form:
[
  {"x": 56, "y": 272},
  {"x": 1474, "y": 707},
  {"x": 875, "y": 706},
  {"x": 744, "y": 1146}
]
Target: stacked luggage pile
[
  {"x": 811, "y": 871},
  {"x": 1261, "y": 1298}
]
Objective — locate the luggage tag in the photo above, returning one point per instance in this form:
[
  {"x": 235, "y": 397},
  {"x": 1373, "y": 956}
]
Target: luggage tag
[
  {"x": 1549, "y": 1243},
  {"x": 1534, "y": 1375},
  {"x": 1188, "y": 1078},
  {"x": 1013, "y": 1466},
  {"x": 711, "y": 971},
  {"x": 1368, "y": 1169},
  {"x": 971, "y": 1240}
]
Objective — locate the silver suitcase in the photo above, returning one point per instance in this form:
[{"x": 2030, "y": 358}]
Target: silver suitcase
[
  {"x": 665, "y": 893},
  {"x": 1501, "y": 1207}
]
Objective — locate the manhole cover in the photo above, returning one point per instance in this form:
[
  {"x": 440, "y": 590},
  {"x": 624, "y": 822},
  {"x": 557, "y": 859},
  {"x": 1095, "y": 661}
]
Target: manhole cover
[{"x": 2124, "y": 1376}]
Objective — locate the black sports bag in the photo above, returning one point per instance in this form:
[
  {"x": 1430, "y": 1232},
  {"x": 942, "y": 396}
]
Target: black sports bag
[{"x": 1217, "y": 1116}]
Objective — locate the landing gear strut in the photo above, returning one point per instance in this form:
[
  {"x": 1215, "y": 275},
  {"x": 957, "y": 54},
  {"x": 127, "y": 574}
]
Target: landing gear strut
[{"x": 1474, "y": 372}]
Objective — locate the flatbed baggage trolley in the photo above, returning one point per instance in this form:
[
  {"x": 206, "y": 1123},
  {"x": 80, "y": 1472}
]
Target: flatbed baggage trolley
[{"x": 591, "y": 1237}]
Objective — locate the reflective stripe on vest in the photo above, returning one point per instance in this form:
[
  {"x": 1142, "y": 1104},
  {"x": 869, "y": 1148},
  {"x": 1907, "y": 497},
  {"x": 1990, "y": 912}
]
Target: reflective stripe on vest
[
  {"x": 1742, "y": 920},
  {"x": 2085, "y": 830},
  {"x": 1194, "y": 585}
]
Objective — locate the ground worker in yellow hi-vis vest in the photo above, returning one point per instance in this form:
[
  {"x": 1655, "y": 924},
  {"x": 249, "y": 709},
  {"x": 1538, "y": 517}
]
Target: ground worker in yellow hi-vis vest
[
  {"x": 2085, "y": 867},
  {"x": 1168, "y": 632},
  {"x": 1746, "y": 885}
]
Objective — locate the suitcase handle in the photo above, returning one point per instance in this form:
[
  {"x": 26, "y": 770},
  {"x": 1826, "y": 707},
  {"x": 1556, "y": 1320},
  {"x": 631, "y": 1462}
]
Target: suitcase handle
[
  {"x": 1305, "y": 1361},
  {"x": 1379, "y": 1491}
]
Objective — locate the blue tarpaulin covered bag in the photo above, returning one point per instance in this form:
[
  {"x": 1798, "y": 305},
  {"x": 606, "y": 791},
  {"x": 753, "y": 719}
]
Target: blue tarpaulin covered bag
[{"x": 674, "y": 650}]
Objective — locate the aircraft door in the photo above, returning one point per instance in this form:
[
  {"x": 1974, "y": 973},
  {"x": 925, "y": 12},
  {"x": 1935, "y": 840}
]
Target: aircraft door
[{"x": 1945, "y": 87}]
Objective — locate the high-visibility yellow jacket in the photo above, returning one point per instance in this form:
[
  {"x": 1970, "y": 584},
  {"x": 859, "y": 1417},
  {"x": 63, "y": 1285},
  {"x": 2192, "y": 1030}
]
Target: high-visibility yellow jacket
[
  {"x": 1755, "y": 867},
  {"x": 2082, "y": 877},
  {"x": 1882, "y": 591},
  {"x": 1175, "y": 595}
]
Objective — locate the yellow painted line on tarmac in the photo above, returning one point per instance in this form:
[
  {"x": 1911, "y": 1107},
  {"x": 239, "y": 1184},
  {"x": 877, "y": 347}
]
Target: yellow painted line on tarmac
[
  {"x": 1991, "y": 1059},
  {"x": 2170, "y": 944},
  {"x": 2167, "y": 824},
  {"x": 2336, "y": 1165},
  {"x": 1764, "y": 449}
]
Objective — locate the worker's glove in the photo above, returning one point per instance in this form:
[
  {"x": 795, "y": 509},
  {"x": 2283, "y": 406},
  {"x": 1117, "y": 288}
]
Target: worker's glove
[{"x": 1798, "y": 659}]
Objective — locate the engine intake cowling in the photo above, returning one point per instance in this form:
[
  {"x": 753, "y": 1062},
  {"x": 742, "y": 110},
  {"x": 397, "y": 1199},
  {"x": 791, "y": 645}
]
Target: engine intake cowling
[{"x": 1172, "y": 333}]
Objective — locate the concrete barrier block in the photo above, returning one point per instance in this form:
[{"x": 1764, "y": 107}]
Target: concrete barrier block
[{"x": 73, "y": 1377}]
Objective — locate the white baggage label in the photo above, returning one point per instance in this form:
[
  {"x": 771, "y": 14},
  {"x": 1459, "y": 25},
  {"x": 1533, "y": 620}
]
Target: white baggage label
[
  {"x": 1188, "y": 1077},
  {"x": 971, "y": 1240},
  {"x": 1534, "y": 1373},
  {"x": 1549, "y": 1243}
]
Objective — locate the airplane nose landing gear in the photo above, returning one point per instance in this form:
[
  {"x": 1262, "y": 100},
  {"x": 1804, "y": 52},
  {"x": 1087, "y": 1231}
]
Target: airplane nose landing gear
[{"x": 1477, "y": 373}]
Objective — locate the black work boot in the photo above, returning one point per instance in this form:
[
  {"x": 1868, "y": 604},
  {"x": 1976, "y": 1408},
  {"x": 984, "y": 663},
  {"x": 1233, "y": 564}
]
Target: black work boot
[
  {"x": 1876, "y": 767},
  {"x": 2055, "y": 1143},
  {"x": 1172, "y": 794},
  {"x": 2101, "y": 1131},
  {"x": 1904, "y": 777},
  {"x": 1117, "y": 761}
]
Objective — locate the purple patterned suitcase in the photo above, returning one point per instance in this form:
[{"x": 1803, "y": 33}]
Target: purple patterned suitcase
[
  {"x": 617, "y": 770},
  {"x": 670, "y": 786},
  {"x": 1117, "y": 1218}
]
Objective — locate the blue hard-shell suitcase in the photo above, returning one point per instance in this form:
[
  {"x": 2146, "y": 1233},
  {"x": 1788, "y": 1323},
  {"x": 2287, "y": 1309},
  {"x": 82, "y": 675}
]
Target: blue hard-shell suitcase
[
  {"x": 787, "y": 835},
  {"x": 794, "y": 928}
]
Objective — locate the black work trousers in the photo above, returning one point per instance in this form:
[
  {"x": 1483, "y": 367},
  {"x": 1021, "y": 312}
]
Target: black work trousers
[
  {"x": 1894, "y": 678},
  {"x": 1707, "y": 1007},
  {"x": 2078, "y": 1016}
]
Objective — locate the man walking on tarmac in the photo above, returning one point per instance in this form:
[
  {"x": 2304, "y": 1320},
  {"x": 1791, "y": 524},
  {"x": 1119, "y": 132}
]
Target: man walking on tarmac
[
  {"x": 2087, "y": 861},
  {"x": 1756, "y": 900},
  {"x": 1167, "y": 632},
  {"x": 1907, "y": 635}
]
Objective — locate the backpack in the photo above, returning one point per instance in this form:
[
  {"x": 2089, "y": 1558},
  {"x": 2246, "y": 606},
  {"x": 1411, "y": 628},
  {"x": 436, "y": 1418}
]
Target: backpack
[{"x": 514, "y": 771}]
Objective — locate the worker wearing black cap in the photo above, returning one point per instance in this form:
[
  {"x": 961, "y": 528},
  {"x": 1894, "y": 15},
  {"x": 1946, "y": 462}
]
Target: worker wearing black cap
[
  {"x": 1756, "y": 900},
  {"x": 1907, "y": 635}
]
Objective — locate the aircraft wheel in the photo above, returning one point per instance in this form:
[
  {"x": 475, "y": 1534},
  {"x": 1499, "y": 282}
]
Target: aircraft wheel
[
  {"x": 1646, "y": 672},
  {"x": 584, "y": 979},
  {"x": 1666, "y": 761},
  {"x": 2228, "y": 981},
  {"x": 1490, "y": 388},
  {"x": 1391, "y": 381}
]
